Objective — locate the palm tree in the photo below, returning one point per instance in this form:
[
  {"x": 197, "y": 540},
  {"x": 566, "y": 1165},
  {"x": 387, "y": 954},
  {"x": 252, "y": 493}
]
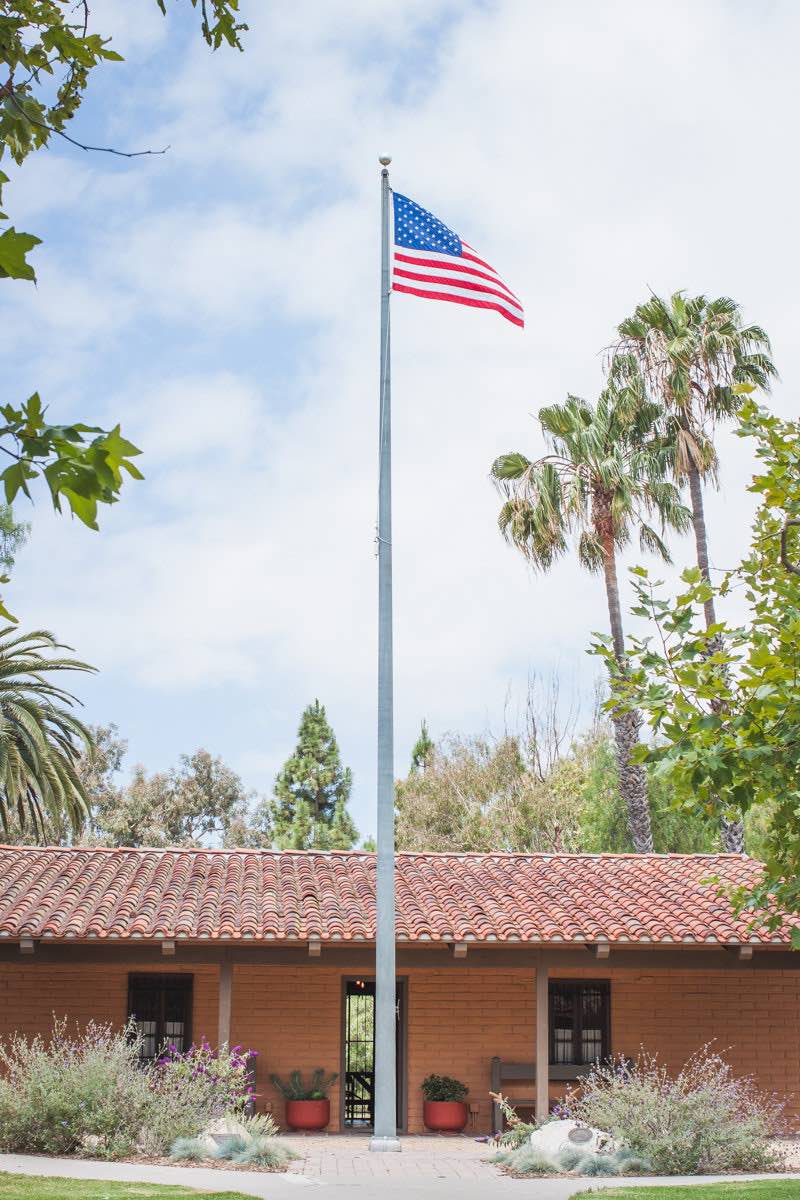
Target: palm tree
[
  {"x": 41, "y": 740},
  {"x": 604, "y": 478},
  {"x": 691, "y": 355}
]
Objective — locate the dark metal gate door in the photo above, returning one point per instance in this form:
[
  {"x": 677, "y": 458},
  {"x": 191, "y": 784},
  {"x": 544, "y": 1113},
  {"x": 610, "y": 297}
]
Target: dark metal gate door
[{"x": 359, "y": 1053}]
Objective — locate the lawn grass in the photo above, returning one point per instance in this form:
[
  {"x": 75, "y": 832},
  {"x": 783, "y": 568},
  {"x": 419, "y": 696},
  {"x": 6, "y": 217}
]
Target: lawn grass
[
  {"x": 759, "y": 1189},
  {"x": 37, "y": 1187}
]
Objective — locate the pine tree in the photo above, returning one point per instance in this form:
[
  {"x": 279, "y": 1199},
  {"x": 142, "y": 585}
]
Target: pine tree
[
  {"x": 423, "y": 748},
  {"x": 309, "y": 807}
]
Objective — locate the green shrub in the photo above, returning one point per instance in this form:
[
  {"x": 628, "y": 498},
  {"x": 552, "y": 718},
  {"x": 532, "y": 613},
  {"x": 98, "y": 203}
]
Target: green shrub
[
  {"x": 55, "y": 1093},
  {"x": 703, "y": 1119},
  {"x": 295, "y": 1088},
  {"x": 443, "y": 1087},
  {"x": 89, "y": 1092}
]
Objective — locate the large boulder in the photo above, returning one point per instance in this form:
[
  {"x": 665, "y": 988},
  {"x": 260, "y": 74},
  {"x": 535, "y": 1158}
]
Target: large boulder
[
  {"x": 556, "y": 1136},
  {"x": 218, "y": 1132}
]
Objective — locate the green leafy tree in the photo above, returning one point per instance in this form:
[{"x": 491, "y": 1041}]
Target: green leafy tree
[
  {"x": 592, "y": 770},
  {"x": 484, "y": 794},
  {"x": 252, "y": 827},
  {"x": 48, "y": 54},
  {"x": 201, "y": 802},
  {"x": 479, "y": 794},
  {"x": 603, "y": 478},
  {"x": 41, "y": 739},
  {"x": 693, "y": 356},
  {"x": 309, "y": 807},
  {"x": 97, "y": 770},
  {"x": 13, "y": 536},
  {"x": 724, "y": 701}
]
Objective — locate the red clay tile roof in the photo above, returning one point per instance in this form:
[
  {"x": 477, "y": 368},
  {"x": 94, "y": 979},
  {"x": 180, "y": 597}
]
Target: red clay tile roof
[{"x": 244, "y": 894}]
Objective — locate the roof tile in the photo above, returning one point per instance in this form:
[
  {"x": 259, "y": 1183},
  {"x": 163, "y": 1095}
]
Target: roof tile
[{"x": 259, "y": 894}]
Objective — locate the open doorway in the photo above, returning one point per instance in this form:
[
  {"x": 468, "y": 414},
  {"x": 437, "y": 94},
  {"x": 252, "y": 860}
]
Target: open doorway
[{"x": 358, "y": 1053}]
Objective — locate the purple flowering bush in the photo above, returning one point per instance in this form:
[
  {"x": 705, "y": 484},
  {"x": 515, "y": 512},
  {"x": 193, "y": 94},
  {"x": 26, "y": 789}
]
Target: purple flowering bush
[
  {"x": 89, "y": 1092},
  {"x": 219, "y": 1074}
]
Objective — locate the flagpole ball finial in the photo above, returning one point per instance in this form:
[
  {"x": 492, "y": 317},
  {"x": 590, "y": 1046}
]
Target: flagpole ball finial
[{"x": 385, "y": 159}]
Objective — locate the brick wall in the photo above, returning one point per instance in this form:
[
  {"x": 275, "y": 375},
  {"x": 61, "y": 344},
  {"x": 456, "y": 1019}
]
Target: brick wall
[
  {"x": 31, "y": 994},
  {"x": 292, "y": 1017},
  {"x": 749, "y": 1016},
  {"x": 457, "y": 1019}
]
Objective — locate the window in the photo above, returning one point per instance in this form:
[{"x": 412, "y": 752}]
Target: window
[
  {"x": 161, "y": 1005},
  {"x": 579, "y": 1021}
]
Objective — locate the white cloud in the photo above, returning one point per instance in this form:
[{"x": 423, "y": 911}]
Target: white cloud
[{"x": 589, "y": 152}]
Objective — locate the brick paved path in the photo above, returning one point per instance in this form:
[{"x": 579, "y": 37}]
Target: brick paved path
[{"x": 347, "y": 1156}]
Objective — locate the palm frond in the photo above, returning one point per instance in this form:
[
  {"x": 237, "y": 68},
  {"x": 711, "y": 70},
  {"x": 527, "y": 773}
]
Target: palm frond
[
  {"x": 689, "y": 352},
  {"x": 41, "y": 740},
  {"x": 510, "y": 466},
  {"x": 605, "y": 478}
]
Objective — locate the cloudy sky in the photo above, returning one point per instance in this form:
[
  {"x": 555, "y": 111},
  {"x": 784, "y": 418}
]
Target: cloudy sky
[{"x": 221, "y": 301}]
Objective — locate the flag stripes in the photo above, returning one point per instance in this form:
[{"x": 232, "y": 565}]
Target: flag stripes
[{"x": 430, "y": 260}]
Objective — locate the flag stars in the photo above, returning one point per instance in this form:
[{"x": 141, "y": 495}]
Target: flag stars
[{"x": 417, "y": 229}]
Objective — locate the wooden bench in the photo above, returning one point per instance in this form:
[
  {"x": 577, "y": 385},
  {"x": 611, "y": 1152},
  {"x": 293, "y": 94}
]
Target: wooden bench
[
  {"x": 510, "y": 1072},
  {"x": 513, "y": 1072}
]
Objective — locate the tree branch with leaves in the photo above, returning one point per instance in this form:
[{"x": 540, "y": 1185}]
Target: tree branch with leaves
[
  {"x": 49, "y": 54},
  {"x": 723, "y": 701}
]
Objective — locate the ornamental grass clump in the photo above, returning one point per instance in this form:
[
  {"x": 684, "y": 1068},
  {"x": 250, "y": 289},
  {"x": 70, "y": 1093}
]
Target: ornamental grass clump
[
  {"x": 253, "y": 1144},
  {"x": 525, "y": 1159},
  {"x": 702, "y": 1119}
]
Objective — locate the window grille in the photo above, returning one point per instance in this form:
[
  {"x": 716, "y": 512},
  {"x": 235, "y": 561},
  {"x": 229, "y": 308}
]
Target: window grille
[
  {"x": 161, "y": 1006},
  {"x": 580, "y": 1021}
]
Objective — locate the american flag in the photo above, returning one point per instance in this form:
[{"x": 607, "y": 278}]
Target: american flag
[{"x": 430, "y": 260}]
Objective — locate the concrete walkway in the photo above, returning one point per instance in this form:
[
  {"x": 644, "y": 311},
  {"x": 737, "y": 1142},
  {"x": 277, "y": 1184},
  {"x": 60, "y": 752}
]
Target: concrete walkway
[{"x": 391, "y": 1180}]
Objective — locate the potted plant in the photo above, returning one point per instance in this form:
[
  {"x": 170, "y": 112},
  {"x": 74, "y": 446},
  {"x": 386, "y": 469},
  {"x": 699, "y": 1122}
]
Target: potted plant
[
  {"x": 307, "y": 1104},
  {"x": 444, "y": 1110}
]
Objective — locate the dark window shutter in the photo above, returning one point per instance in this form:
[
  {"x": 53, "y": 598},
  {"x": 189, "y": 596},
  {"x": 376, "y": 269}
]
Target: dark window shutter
[
  {"x": 161, "y": 1006},
  {"x": 580, "y": 1021}
]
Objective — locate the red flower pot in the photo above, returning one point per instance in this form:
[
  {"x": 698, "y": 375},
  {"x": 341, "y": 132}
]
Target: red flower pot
[
  {"x": 445, "y": 1116},
  {"x": 308, "y": 1114}
]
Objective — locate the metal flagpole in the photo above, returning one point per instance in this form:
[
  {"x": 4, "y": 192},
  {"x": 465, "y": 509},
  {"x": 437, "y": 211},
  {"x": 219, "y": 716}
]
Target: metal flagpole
[{"x": 385, "y": 1127}]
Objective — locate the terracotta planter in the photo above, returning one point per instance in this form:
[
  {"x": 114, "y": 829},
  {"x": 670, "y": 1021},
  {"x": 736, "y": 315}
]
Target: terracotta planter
[
  {"x": 308, "y": 1114},
  {"x": 445, "y": 1116}
]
